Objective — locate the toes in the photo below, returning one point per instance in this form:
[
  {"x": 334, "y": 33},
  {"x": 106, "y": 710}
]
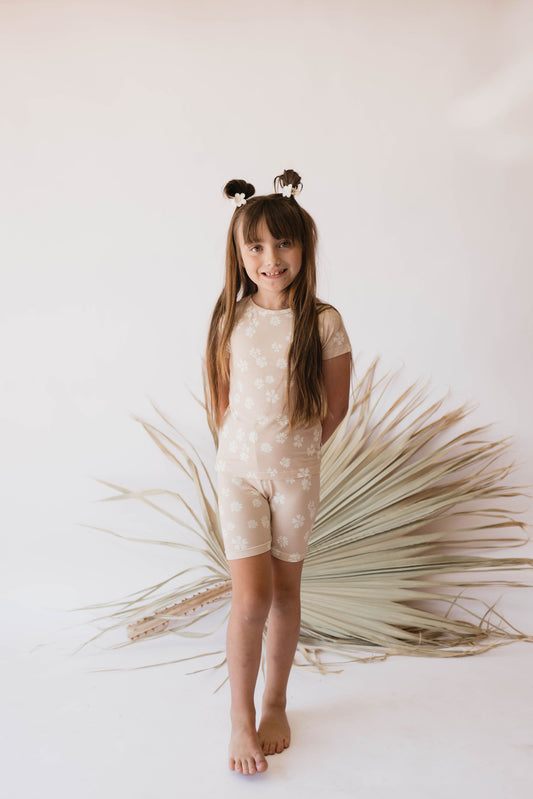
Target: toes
[
  {"x": 251, "y": 766},
  {"x": 232, "y": 763},
  {"x": 238, "y": 766},
  {"x": 262, "y": 765}
]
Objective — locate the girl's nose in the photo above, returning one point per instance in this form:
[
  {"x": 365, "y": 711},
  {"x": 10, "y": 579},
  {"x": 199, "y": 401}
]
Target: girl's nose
[{"x": 272, "y": 256}]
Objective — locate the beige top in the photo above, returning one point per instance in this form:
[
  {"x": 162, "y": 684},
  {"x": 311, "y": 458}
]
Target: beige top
[{"x": 254, "y": 440}]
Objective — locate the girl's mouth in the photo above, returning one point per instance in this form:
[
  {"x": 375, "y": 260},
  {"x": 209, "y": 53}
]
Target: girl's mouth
[{"x": 274, "y": 274}]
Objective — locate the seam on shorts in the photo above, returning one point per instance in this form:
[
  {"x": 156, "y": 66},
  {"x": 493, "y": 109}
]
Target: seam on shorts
[
  {"x": 246, "y": 553},
  {"x": 285, "y": 556}
]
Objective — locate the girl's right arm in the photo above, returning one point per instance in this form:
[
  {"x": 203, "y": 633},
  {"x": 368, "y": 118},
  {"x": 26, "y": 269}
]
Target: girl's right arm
[{"x": 223, "y": 400}]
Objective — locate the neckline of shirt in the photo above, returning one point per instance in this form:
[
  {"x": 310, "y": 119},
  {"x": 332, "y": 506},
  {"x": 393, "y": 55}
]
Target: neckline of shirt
[{"x": 269, "y": 310}]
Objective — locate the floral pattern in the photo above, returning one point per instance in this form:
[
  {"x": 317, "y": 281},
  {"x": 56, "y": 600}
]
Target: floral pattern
[
  {"x": 261, "y": 515},
  {"x": 255, "y": 438}
]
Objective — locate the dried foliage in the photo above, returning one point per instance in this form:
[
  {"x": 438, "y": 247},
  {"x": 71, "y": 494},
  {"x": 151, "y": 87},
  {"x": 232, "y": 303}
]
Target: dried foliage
[{"x": 400, "y": 517}]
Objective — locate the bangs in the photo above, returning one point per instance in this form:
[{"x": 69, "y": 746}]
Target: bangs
[{"x": 280, "y": 215}]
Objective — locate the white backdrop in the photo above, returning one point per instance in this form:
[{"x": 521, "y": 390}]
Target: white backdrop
[{"x": 411, "y": 125}]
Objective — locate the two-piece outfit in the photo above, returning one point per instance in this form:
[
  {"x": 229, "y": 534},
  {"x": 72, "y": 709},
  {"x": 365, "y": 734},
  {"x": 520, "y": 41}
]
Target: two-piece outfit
[{"x": 268, "y": 476}]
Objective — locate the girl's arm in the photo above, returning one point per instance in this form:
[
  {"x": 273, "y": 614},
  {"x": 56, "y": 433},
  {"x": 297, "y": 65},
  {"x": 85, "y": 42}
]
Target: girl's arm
[
  {"x": 223, "y": 399},
  {"x": 337, "y": 384}
]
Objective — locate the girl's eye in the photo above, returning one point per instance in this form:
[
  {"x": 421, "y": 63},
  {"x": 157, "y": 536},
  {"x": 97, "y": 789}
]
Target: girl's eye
[
  {"x": 255, "y": 247},
  {"x": 286, "y": 243}
]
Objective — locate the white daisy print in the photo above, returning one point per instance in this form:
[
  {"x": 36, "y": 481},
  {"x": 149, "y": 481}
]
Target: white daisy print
[
  {"x": 253, "y": 437},
  {"x": 252, "y": 523},
  {"x": 266, "y": 447},
  {"x": 235, "y": 506},
  {"x": 229, "y": 527},
  {"x": 294, "y": 557},
  {"x": 281, "y": 438},
  {"x": 256, "y": 503},
  {"x": 250, "y": 331},
  {"x": 265, "y": 521},
  {"x": 273, "y": 396},
  {"x": 239, "y": 543},
  {"x": 272, "y": 473},
  {"x": 221, "y": 466},
  {"x": 249, "y": 403},
  {"x": 311, "y": 507},
  {"x": 240, "y": 434},
  {"x": 269, "y": 379},
  {"x": 225, "y": 492},
  {"x": 298, "y": 520},
  {"x": 277, "y": 347},
  {"x": 317, "y": 435},
  {"x": 282, "y": 541},
  {"x": 242, "y": 365},
  {"x": 259, "y": 383},
  {"x": 311, "y": 450},
  {"x": 237, "y": 481},
  {"x": 285, "y": 462},
  {"x": 281, "y": 363},
  {"x": 233, "y": 446},
  {"x": 338, "y": 338},
  {"x": 278, "y": 499},
  {"x": 306, "y": 483},
  {"x": 298, "y": 440},
  {"x": 303, "y": 473},
  {"x": 275, "y": 321}
]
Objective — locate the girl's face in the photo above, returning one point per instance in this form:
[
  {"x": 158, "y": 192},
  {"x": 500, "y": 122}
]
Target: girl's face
[{"x": 272, "y": 264}]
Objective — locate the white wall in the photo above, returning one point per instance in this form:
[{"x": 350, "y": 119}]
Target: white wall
[{"x": 411, "y": 126}]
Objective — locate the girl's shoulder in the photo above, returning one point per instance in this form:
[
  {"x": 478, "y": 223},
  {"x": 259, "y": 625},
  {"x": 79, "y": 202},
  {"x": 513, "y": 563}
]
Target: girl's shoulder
[
  {"x": 333, "y": 335},
  {"x": 327, "y": 314}
]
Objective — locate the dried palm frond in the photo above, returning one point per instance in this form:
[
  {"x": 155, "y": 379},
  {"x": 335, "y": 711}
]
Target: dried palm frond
[{"x": 395, "y": 517}]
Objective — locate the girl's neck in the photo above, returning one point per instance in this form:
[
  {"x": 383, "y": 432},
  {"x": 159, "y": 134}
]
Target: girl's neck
[{"x": 271, "y": 303}]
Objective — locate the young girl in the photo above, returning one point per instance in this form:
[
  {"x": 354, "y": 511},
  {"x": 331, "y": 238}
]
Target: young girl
[{"x": 279, "y": 364}]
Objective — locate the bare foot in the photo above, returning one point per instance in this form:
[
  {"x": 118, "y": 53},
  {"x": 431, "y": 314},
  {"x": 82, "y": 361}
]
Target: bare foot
[
  {"x": 245, "y": 754},
  {"x": 274, "y": 731}
]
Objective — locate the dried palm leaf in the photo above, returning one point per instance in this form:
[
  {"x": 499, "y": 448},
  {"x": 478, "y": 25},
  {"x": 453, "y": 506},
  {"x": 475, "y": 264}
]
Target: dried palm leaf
[{"x": 387, "y": 532}]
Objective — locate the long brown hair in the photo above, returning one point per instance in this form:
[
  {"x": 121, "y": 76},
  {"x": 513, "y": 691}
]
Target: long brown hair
[{"x": 285, "y": 218}]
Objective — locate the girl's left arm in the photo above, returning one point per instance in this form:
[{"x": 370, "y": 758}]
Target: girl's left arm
[{"x": 337, "y": 384}]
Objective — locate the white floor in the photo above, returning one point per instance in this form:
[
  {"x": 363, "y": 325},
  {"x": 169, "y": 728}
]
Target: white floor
[{"x": 407, "y": 727}]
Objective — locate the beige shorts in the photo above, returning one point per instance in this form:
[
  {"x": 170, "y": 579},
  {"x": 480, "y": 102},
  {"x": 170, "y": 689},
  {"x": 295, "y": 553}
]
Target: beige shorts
[{"x": 261, "y": 515}]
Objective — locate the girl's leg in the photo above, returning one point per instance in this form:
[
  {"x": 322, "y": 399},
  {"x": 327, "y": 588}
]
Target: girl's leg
[
  {"x": 294, "y": 505},
  {"x": 282, "y": 639},
  {"x": 251, "y": 598}
]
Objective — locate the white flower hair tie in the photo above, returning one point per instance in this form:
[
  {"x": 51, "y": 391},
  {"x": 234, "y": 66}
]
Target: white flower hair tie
[
  {"x": 239, "y": 199},
  {"x": 289, "y": 190}
]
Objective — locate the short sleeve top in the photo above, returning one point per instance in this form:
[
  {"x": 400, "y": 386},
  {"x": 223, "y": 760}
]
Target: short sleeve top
[{"x": 255, "y": 440}]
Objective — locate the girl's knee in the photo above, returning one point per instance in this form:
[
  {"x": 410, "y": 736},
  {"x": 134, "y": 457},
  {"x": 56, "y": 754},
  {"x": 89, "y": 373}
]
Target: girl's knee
[
  {"x": 285, "y": 601},
  {"x": 252, "y": 603}
]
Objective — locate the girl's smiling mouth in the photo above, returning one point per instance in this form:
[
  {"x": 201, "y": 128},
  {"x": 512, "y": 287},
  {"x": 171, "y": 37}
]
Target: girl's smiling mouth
[{"x": 274, "y": 274}]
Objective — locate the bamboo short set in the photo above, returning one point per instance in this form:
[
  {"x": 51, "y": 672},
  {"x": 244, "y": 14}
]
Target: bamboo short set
[{"x": 268, "y": 476}]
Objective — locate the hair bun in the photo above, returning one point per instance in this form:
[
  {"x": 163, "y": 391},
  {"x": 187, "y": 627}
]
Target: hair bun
[
  {"x": 288, "y": 177},
  {"x": 236, "y": 186}
]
